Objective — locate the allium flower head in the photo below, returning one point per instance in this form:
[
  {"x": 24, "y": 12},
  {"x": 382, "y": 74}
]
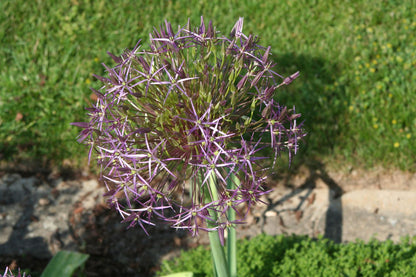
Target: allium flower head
[{"x": 191, "y": 111}]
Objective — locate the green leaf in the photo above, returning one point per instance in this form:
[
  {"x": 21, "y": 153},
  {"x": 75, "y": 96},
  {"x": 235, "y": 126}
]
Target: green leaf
[
  {"x": 64, "y": 264},
  {"x": 180, "y": 274}
]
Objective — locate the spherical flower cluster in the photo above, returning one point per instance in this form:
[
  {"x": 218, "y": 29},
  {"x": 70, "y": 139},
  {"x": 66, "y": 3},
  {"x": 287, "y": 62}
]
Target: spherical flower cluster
[{"x": 177, "y": 129}]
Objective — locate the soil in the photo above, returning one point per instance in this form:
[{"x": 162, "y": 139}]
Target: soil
[{"x": 117, "y": 251}]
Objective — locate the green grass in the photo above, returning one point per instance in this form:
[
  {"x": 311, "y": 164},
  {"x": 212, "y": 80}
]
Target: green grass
[
  {"x": 266, "y": 255},
  {"x": 357, "y": 58}
]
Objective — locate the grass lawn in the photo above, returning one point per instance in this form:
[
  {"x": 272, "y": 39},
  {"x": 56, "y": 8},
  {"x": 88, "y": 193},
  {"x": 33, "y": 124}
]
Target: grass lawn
[{"x": 357, "y": 59}]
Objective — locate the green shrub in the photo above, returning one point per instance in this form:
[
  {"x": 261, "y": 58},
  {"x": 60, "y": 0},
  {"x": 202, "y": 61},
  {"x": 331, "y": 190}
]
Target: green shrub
[{"x": 281, "y": 255}]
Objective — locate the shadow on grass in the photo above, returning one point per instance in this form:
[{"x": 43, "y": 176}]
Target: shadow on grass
[
  {"x": 318, "y": 97},
  {"x": 320, "y": 100}
]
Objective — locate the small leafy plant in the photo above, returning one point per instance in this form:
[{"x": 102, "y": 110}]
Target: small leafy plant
[{"x": 283, "y": 255}]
